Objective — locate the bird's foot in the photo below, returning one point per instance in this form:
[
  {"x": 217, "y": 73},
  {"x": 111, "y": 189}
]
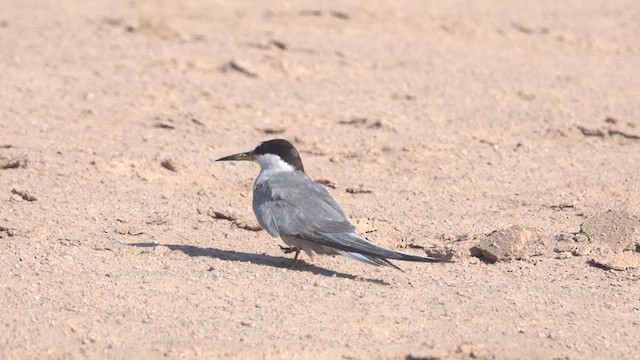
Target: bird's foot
[{"x": 289, "y": 249}]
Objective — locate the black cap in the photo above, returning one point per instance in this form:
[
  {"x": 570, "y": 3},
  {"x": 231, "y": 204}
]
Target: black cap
[{"x": 284, "y": 149}]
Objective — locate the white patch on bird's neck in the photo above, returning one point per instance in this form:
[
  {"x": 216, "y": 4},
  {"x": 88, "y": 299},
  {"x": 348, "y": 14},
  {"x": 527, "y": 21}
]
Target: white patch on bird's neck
[{"x": 271, "y": 164}]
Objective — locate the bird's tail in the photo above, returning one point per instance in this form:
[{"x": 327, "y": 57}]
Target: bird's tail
[
  {"x": 368, "y": 259},
  {"x": 381, "y": 256},
  {"x": 361, "y": 249}
]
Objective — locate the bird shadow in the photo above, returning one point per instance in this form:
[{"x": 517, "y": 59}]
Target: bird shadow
[{"x": 258, "y": 259}]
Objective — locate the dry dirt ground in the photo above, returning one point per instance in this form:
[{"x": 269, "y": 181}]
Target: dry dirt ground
[{"x": 504, "y": 135}]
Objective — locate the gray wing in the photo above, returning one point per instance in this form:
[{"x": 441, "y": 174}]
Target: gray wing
[{"x": 291, "y": 204}]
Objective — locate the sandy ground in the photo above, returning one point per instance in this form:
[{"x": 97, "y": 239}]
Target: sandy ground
[{"x": 499, "y": 134}]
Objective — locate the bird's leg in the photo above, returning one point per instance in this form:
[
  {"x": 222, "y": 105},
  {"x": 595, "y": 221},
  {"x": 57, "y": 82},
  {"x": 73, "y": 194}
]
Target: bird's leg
[
  {"x": 289, "y": 250},
  {"x": 295, "y": 258}
]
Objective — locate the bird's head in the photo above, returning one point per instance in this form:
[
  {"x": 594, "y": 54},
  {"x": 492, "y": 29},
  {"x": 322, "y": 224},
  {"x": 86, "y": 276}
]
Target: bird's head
[{"x": 271, "y": 154}]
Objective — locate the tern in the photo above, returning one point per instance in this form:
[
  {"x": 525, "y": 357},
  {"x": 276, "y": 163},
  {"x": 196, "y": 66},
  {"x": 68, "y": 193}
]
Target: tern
[{"x": 290, "y": 205}]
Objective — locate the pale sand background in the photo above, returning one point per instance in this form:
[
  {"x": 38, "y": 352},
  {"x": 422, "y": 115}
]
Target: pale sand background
[{"x": 460, "y": 119}]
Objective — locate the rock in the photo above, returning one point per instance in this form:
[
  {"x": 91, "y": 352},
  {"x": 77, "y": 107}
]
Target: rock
[
  {"x": 514, "y": 243},
  {"x": 133, "y": 231},
  {"x": 24, "y": 194},
  {"x": 564, "y": 255},
  {"x": 426, "y": 355},
  {"x": 170, "y": 165},
  {"x": 616, "y": 261},
  {"x": 619, "y": 230},
  {"x": 474, "y": 351}
]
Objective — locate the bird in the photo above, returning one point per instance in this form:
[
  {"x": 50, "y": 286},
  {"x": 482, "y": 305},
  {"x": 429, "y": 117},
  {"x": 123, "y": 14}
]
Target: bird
[{"x": 290, "y": 205}]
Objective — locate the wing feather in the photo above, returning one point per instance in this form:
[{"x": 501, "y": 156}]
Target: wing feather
[{"x": 291, "y": 204}]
